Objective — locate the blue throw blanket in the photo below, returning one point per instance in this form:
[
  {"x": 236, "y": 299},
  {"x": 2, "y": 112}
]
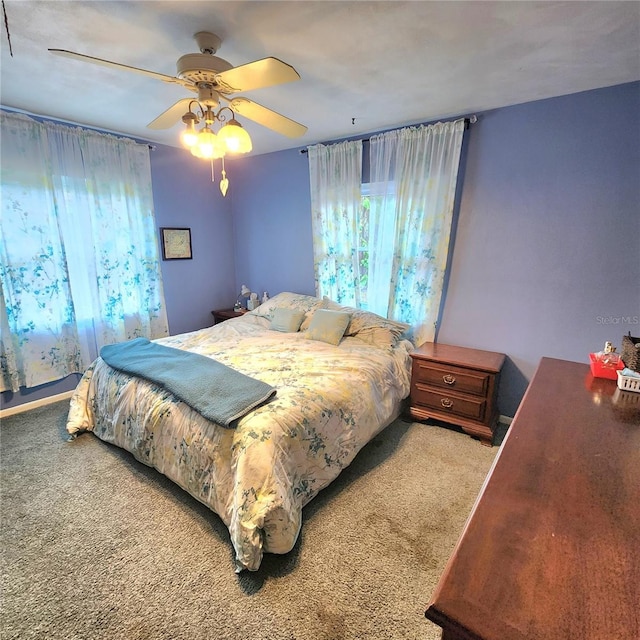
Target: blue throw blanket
[{"x": 219, "y": 393}]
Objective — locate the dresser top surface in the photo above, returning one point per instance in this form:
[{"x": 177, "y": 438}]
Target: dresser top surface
[
  {"x": 552, "y": 547},
  {"x": 460, "y": 356}
]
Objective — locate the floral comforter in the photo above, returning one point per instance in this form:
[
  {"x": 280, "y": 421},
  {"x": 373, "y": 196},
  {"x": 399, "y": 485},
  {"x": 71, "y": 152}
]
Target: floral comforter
[{"x": 330, "y": 401}]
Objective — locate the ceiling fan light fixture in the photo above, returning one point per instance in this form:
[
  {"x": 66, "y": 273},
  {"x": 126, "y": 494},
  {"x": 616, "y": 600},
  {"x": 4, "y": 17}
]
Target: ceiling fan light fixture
[
  {"x": 213, "y": 79},
  {"x": 235, "y": 138},
  {"x": 189, "y": 137},
  {"x": 208, "y": 145}
]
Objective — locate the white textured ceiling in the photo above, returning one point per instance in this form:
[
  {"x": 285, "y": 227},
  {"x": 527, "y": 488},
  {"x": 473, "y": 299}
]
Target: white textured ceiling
[{"x": 384, "y": 64}]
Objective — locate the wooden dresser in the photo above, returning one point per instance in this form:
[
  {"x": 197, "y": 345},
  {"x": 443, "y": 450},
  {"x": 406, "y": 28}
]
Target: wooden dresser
[
  {"x": 456, "y": 385},
  {"x": 551, "y": 550}
]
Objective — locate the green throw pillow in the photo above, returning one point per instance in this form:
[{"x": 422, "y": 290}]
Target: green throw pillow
[
  {"x": 286, "y": 320},
  {"x": 328, "y": 326}
]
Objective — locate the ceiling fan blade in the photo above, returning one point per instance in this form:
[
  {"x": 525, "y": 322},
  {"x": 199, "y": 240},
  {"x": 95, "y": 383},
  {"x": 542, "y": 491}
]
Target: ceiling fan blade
[
  {"x": 117, "y": 65},
  {"x": 267, "y": 72},
  {"x": 267, "y": 117},
  {"x": 173, "y": 114}
]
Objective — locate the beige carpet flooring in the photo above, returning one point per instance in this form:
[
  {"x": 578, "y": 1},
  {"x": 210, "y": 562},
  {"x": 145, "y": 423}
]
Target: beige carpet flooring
[{"x": 97, "y": 546}]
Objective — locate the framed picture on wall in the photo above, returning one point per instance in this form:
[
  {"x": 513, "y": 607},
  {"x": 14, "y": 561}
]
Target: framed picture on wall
[{"x": 176, "y": 243}]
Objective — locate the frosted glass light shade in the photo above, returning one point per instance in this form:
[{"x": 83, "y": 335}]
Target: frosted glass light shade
[
  {"x": 189, "y": 137},
  {"x": 209, "y": 145},
  {"x": 235, "y": 138}
]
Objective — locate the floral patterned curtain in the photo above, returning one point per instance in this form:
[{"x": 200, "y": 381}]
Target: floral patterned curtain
[
  {"x": 336, "y": 181},
  {"x": 383, "y": 246},
  {"x": 413, "y": 183},
  {"x": 79, "y": 261}
]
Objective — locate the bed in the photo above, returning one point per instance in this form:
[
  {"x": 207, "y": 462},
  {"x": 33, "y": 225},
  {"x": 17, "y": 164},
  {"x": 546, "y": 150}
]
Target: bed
[{"x": 336, "y": 387}]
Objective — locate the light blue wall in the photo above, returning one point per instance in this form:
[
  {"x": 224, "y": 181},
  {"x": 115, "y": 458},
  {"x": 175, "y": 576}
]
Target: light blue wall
[
  {"x": 185, "y": 196},
  {"x": 272, "y": 217},
  {"x": 545, "y": 260},
  {"x": 546, "y": 252}
]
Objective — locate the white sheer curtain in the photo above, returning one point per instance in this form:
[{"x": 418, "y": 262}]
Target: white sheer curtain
[
  {"x": 413, "y": 183},
  {"x": 336, "y": 182},
  {"x": 79, "y": 263}
]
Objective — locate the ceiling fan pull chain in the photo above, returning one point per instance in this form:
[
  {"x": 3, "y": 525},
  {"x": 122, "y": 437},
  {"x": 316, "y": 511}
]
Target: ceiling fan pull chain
[{"x": 224, "y": 183}]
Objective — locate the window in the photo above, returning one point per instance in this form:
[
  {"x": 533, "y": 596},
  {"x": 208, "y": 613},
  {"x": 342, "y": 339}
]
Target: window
[
  {"x": 79, "y": 262},
  {"x": 373, "y": 199}
]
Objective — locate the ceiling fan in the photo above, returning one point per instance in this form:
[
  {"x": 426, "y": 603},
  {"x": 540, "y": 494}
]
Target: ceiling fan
[{"x": 214, "y": 79}]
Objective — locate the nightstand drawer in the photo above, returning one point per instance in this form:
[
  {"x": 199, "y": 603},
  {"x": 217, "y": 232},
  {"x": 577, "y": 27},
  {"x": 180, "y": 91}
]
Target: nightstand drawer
[
  {"x": 453, "y": 403},
  {"x": 448, "y": 377}
]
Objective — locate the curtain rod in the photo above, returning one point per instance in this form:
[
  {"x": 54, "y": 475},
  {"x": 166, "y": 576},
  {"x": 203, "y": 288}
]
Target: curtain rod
[
  {"x": 75, "y": 125},
  {"x": 467, "y": 121}
]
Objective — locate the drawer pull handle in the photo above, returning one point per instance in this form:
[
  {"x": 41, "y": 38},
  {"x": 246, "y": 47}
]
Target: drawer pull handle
[
  {"x": 449, "y": 379},
  {"x": 447, "y": 403}
]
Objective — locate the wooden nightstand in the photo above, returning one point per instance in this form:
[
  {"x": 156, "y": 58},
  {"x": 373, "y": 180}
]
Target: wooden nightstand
[
  {"x": 457, "y": 385},
  {"x": 220, "y": 315}
]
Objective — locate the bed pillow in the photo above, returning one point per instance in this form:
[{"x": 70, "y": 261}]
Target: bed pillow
[
  {"x": 363, "y": 321},
  {"x": 288, "y": 300},
  {"x": 370, "y": 327},
  {"x": 286, "y": 320},
  {"x": 378, "y": 337},
  {"x": 309, "y": 314},
  {"x": 328, "y": 326}
]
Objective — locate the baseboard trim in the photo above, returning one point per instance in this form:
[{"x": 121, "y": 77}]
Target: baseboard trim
[
  {"x": 505, "y": 420},
  {"x": 21, "y": 408}
]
